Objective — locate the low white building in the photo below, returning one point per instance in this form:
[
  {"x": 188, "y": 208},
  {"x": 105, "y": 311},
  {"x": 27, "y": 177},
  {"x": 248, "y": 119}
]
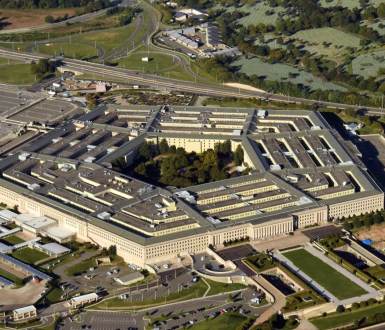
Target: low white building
[
  {"x": 52, "y": 249},
  {"x": 24, "y": 313},
  {"x": 80, "y": 301},
  {"x": 129, "y": 278}
]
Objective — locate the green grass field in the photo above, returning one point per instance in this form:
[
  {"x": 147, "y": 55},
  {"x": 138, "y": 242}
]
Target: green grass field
[
  {"x": 16, "y": 74},
  {"x": 81, "y": 267},
  {"x": 368, "y": 65},
  {"x": 72, "y": 50},
  {"x": 159, "y": 62},
  {"x": 228, "y": 321},
  {"x": 258, "y": 13},
  {"x": 29, "y": 256},
  {"x": 328, "y": 35},
  {"x": 54, "y": 295},
  {"x": 339, "y": 319},
  {"x": 323, "y": 274},
  {"x": 347, "y": 3},
  {"x": 284, "y": 73},
  {"x": 218, "y": 287}
]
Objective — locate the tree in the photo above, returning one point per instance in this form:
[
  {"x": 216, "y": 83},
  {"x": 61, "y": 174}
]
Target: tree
[
  {"x": 238, "y": 155},
  {"x": 340, "y": 309},
  {"x": 112, "y": 251},
  {"x": 42, "y": 67},
  {"x": 49, "y": 19},
  {"x": 92, "y": 100},
  {"x": 163, "y": 146}
]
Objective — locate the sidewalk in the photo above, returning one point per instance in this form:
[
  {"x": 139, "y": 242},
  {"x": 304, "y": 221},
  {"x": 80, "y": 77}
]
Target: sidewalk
[{"x": 279, "y": 302}]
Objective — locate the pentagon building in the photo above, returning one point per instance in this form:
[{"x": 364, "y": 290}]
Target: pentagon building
[{"x": 303, "y": 174}]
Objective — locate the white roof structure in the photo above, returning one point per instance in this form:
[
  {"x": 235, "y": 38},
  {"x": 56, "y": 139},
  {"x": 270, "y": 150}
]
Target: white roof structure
[
  {"x": 7, "y": 215},
  {"x": 59, "y": 233},
  {"x": 24, "y": 217},
  {"x": 85, "y": 298},
  {"x": 55, "y": 248},
  {"x": 4, "y": 248},
  {"x": 27, "y": 309},
  {"x": 39, "y": 223},
  {"x": 131, "y": 277}
]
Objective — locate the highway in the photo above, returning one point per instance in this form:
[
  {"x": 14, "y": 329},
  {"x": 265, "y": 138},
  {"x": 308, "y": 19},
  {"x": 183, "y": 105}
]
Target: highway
[{"x": 159, "y": 82}]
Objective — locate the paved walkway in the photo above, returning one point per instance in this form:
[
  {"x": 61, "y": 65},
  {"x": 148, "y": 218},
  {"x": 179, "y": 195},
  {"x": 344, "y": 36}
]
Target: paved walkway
[
  {"x": 279, "y": 302},
  {"x": 306, "y": 325}
]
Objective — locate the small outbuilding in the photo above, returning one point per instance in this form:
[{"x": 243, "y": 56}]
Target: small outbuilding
[
  {"x": 129, "y": 278},
  {"x": 24, "y": 313},
  {"x": 80, "y": 301}
]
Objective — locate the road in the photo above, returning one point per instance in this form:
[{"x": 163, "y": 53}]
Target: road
[
  {"x": 72, "y": 20},
  {"x": 158, "y": 82}
]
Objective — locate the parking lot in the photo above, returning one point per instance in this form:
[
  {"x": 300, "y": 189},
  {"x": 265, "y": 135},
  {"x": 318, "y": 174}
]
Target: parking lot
[
  {"x": 45, "y": 111},
  {"x": 173, "y": 316},
  {"x": 12, "y": 99},
  {"x": 322, "y": 232},
  {"x": 237, "y": 252}
]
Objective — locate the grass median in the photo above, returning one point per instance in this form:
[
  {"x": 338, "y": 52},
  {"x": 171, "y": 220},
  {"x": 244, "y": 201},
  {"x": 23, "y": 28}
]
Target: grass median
[
  {"x": 339, "y": 319},
  {"x": 197, "y": 290}
]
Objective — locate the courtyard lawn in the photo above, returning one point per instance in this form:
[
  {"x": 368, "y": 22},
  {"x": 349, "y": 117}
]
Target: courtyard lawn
[
  {"x": 9, "y": 276},
  {"x": 29, "y": 256},
  {"x": 323, "y": 274},
  {"x": 228, "y": 321},
  {"x": 339, "y": 319},
  {"x": 12, "y": 240}
]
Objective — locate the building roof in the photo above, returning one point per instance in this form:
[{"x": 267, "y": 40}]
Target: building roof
[
  {"x": 7, "y": 215},
  {"x": 279, "y": 146},
  {"x": 26, "y": 309},
  {"x": 55, "y": 248},
  {"x": 27, "y": 268},
  {"x": 85, "y": 297},
  {"x": 5, "y": 282},
  {"x": 131, "y": 277}
]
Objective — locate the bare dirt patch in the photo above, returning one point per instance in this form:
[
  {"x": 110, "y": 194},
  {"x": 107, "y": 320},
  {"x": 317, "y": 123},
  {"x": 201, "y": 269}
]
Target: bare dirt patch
[
  {"x": 27, "y": 295},
  {"x": 13, "y": 19},
  {"x": 376, "y": 233}
]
